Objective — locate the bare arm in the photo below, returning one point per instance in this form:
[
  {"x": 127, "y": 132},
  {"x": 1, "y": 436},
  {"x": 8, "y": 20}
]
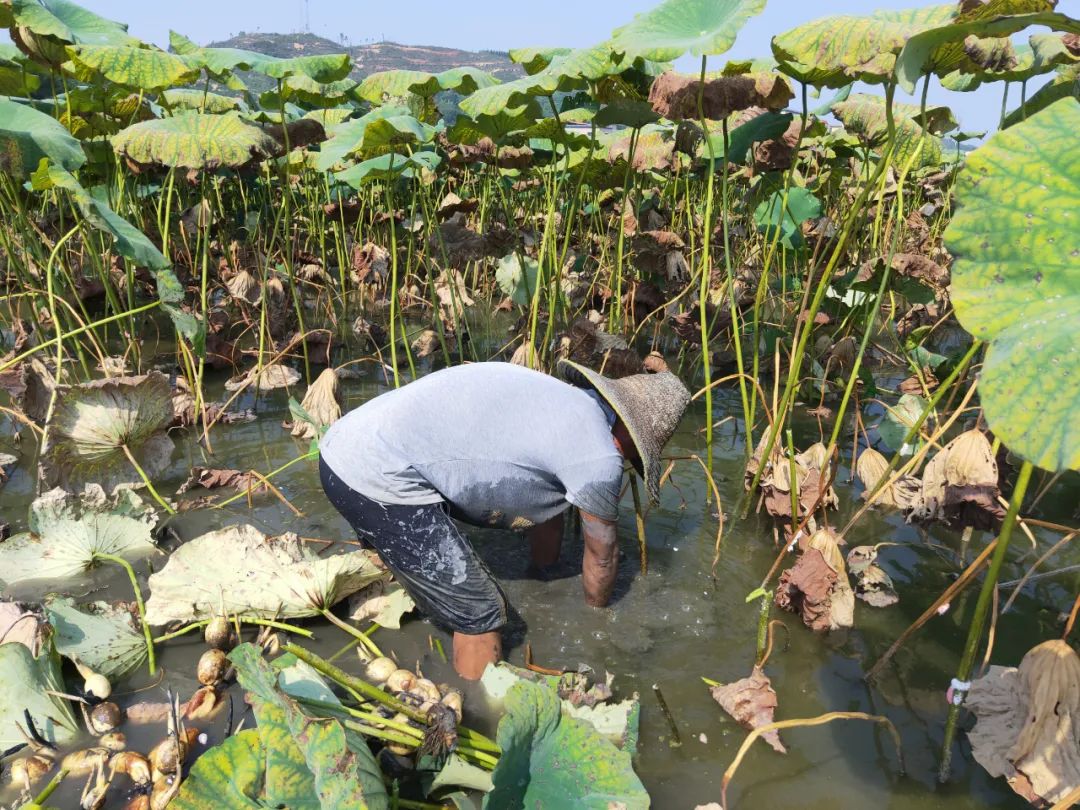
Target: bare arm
[
  {"x": 545, "y": 542},
  {"x": 601, "y": 561}
]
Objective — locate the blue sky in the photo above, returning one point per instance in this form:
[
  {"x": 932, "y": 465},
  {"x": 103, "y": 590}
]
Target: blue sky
[{"x": 500, "y": 25}]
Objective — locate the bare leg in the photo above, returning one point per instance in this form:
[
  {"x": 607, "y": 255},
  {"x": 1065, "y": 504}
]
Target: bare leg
[
  {"x": 601, "y": 561},
  {"x": 545, "y": 542},
  {"x": 472, "y": 654}
]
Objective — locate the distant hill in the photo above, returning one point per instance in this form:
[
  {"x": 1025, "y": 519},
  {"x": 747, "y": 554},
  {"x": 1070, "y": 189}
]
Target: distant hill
[{"x": 378, "y": 56}]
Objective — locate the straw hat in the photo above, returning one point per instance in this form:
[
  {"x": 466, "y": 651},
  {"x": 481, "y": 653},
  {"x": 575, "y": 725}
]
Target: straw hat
[{"x": 650, "y": 405}]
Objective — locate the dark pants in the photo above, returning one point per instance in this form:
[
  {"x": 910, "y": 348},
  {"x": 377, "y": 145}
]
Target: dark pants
[{"x": 428, "y": 555}]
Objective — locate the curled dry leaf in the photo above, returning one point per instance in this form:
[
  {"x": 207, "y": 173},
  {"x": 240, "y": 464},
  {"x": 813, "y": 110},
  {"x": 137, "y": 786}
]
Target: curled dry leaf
[
  {"x": 216, "y": 478},
  {"x": 816, "y": 587},
  {"x": 1028, "y": 727},
  {"x": 661, "y": 253},
  {"x": 875, "y": 587},
  {"x": 322, "y": 403},
  {"x": 370, "y": 264},
  {"x": 426, "y": 344},
  {"x": 675, "y": 96},
  {"x": 526, "y": 355},
  {"x": 453, "y": 295},
  {"x": 21, "y": 624},
  {"x": 268, "y": 378},
  {"x": 452, "y": 204},
  {"x": 244, "y": 287},
  {"x": 751, "y": 701},
  {"x": 959, "y": 485},
  {"x": 381, "y": 602},
  {"x": 871, "y": 467}
]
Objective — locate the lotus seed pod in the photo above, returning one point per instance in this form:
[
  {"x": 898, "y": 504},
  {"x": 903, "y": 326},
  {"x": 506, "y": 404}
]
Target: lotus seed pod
[
  {"x": 212, "y": 667},
  {"x": 133, "y": 764},
  {"x": 219, "y": 634},
  {"x": 114, "y": 741},
  {"x": 400, "y": 680},
  {"x": 104, "y": 717},
  {"x": 426, "y": 689},
  {"x": 381, "y": 669},
  {"x": 81, "y": 763}
]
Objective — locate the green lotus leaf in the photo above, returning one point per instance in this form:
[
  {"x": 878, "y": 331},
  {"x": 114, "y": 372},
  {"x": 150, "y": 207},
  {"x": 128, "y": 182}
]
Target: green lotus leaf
[
  {"x": 465, "y": 80},
  {"x": 304, "y": 90},
  {"x": 898, "y": 422},
  {"x": 25, "y": 682},
  {"x": 331, "y": 116},
  {"x": 100, "y": 635},
  {"x": 323, "y": 68},
  {"x": 255, "y": 575},
  {"x": 1066, "y": 84},
  {"x": 940, "y": 49},
  {"x": 764, "y": 127},
  {"x": 551, "y": 760},
  {"x": 470, "y": 129},
  {"x": 233, "y": 774},
  {"x": 200, "y": 101},
  {"x": 95, "y": 426},
  {"x": 67, "y": 531},
  {"x": 787, "y": 215},
  {"x": 834, "y": 51},
  {"x": 865, "y": 115},
  {"x": 1016, "y": 281},
  {"x": 27, "y": 136},
  {"x": 516, "y": 280},
  {"x": 628, "y": 113},
  {"x": 675, "y": 27},
  {"x": 390, "y": 84},
  {"x": 146, "y": 69},
  {"x": 18, "y": 75},
  {"x": 388, "y": 166},
  {"x": 346, "y": 138},
  {"x": 195, "y": 141},
  {"x": 342, "y": 771},
  {"x": 43, "y": 27},
  {"x": 536, "y": 59}
]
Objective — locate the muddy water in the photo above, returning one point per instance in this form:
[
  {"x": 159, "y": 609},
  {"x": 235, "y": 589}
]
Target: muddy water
[{"x": 673, "y": 626}]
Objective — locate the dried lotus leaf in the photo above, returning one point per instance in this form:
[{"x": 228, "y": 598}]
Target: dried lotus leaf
[{"x": 969, "y": 461}]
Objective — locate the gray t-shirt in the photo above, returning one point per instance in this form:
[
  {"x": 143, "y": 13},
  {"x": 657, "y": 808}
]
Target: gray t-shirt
[{"x": 503, "y": 445}]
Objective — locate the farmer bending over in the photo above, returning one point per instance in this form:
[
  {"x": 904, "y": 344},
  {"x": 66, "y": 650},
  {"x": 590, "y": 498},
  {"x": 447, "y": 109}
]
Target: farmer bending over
[{"x": 496, "y": 445}]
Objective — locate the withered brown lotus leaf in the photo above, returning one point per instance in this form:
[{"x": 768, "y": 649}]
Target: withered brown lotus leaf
[
  {"x": 675, "y": 96},
  {"x": 816, "y": 587},
  {"x": 244, "y": 287},
  {"x": 871, "y": 466},
  {"x": 322, "y": 402},
  {"x": 1028, "y": 727},
  {"x": 453, "y": 204},
  {"x": 217, "y": 478},
  {"x": 875, "y": 587},
  {"x": 370, "y": 264},
  {"x": 959, "y": 485},
  {"x": 751, "y": 701}
]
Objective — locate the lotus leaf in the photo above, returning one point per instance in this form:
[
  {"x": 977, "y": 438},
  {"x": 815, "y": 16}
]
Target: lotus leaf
[
  {"x": 68, "y": 531},
  {"x": 388, "y": 166},
  {"x": 347, "y": 138},
  {"x": 96, "y": 426},
  {"x": 515, "y": 280},
  {"x": 200, "y": 101},
  {"x": 551, "y": 760},
  {"x": 1015, "y": 281},
  {"x": 27, "y": 136},
  {"x": 43, "y": 27},
  {"x": 675, "y": 27},
  {"x": 898, "y": 422},
  {"x": 390, "y": 84},
  {"x": 940, "y": 49},
  {"x": 255, "y": 575},
  {"x": 1063, "y": 85},
  {"x": 321, "y": 68},
  {"x": 834, "y": 51},
  {"x": 145, "y": 69},
  {"x": 100, "y": 635},
  {"x": 865, "y": 115},
  {"x": 787, "y": 212},
  {"x": 536, "y": 59},
  {"x": 195, "y": 141},
  {"x": 24, "y": 685}
]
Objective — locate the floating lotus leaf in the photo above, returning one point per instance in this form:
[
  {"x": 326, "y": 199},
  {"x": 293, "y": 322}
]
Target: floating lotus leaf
[
  {"x": 96, "y": 425},
  {"x": 27, "y": 136},
  {"x": 516, "y": 281},
  {"x": 195, "y": 141},
  {"x": 940, "y": 48},
  {"x": 67, "y": 531},
  {"x": 100, "y": 635},
  {"x": 42, "y": 28},
  {"x": 834, "y": 51},
  {"x": 551, "y": 760},
  {"x": 24, "y": 684},
  {"x": 1016, "y": 281},
  {"x": 146, "y": 69},
  {"x": 865, "y": 115},
  {"x": 675, "y": 27},
  {"x": 255, "y": 575}
]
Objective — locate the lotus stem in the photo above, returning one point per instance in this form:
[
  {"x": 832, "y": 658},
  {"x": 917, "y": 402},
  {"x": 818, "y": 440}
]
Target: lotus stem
[
  {"x": 352, "y": 631},
  {"x": 147, "y": 635},
  {"x": 48, "y": 790},
  {"x": 146, "y": 480},
  {"x": 971, "y": 647},
  {"x": 639, "y": 522},
  {"x": 189, "y": 628},
  {"x": 813, "y": 721}
]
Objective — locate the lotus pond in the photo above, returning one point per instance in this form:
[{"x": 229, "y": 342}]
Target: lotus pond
[{"x": 858, "y": 587}]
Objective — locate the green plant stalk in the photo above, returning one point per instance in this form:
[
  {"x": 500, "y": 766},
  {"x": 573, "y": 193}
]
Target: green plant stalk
[
  {"x": 146, "y": 480},
  {"x": 982, "y": 606},
  {"x": 763, "y": 623},
  {"x": 393, "y": 274},
  {"x": 268, "y": 476},
  {"x": 147, "y": 635},
  {"x": 616, "y": 309},
  {"x": 49, "y": 790},
  {"x": 289, "y": 628},
  {"x": 352, "y": 631},
  {"x": 793, "y": 484},
  {"x": 703, "y": 291}
]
